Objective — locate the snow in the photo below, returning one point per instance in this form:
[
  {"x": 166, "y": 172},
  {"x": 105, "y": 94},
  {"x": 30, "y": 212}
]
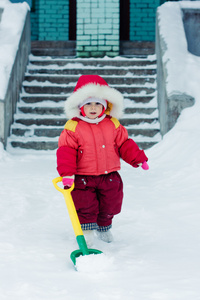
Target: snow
[
  {"x": 94, "y": 263},
  {"x": 176, "y": 54},
  {"x": 155, "y": 252}
]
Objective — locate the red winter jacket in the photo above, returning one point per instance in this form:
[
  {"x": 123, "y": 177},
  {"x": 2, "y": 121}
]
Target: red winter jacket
[{"x": 95, "y": 149}]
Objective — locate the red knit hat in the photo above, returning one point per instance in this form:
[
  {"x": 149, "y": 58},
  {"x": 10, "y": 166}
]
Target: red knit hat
[{"x": 89, "y": 79}]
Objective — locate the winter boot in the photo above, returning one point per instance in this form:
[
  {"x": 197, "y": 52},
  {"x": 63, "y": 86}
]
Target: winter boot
[
  {"x": 89, "y": 237},
  {"x": 105, "y": 236}
]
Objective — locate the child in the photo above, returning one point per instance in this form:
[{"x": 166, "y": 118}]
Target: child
[{"x": 90, "y": 147}]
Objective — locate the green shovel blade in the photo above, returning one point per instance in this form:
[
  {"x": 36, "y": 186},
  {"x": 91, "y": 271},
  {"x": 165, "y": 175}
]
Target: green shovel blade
[{"x": 83, "y": 249}]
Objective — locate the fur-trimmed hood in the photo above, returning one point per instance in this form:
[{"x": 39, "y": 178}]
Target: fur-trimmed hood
[{"x": 94, "y": 86}]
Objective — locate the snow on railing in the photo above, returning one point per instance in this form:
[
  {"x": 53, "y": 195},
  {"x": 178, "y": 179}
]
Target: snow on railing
[
  {"x": 15, "y": 41},
  {"x": 177, "y": 69}
]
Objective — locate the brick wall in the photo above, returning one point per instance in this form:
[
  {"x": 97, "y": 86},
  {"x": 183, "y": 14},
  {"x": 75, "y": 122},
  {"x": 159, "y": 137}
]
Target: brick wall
[
  {"x": 34, "y": 22},
  {"x": 142, "y": 19},
  {"x": 97, "y": 23},
  {"x": 97, "y": 28},
  {"x": 50, "y": 20}
]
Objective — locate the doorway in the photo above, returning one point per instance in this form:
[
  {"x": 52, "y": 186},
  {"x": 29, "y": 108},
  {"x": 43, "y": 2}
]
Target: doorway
[
  {"x": 72, "y": 20},
  {"x": 124, "y": 20}
]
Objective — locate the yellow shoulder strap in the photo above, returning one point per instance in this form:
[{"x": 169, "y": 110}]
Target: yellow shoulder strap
[
  {"x": 115, "y": 122},
  {"x": 71, "y": 125}
]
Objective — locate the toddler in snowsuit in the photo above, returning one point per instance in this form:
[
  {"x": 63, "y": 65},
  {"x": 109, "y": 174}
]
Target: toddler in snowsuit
[{"x": 89, "y": 152}]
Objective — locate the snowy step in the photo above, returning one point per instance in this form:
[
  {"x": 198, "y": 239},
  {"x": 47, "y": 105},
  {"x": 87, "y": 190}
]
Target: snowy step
[
  {"x": 55, "y": 131},
  {"x": 58, "y": 110},
  {"x": 36, "y": 98},
  {"x": 60, "y": 121},
  {"x": 139, "y": 110},
  {"x": 50, "y": 145},
  {"x": 150, "y": 71},
  {"x": 53, "y": 48},
  {"x": 34, "y": 145},
  {"x": 115, "y": 62},
  {"x": 41, "y": 110},
  {"x": 65, "y": 89},
  {"x": 66, "y": 79},
  {"x": 41, "y": 143},
  {"x": 39, "y": 98}
]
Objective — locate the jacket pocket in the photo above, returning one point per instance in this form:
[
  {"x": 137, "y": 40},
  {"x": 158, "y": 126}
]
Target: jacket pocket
[
  {"x": 80, "y": 154},
  {"x": 115, "y": 178},
  {"x": 116, "y": 150},
  {"x": 80, "y": 182}
]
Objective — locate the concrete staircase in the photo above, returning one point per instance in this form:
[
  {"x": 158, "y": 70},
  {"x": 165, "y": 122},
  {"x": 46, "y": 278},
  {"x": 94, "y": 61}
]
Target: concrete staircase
[{"x": 40, "y": 119}]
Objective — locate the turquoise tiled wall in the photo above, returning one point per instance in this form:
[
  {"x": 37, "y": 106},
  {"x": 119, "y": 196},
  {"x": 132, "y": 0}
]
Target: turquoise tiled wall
[
  {"x": 50, "y": 20},
  {"x": 97, "y": 28},
  {"x": 34, "y": 22},
  {"x": 142, "y": 19},
  {"x": 98, "y": 23}
]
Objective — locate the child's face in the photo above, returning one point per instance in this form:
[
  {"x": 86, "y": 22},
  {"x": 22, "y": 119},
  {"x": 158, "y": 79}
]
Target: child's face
[{"x": 93, "y": 109}]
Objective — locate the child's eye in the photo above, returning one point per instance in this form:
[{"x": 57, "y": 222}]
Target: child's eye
[
  {"x": 89, "y": 103},
  {"x": 98, "y": 103}
]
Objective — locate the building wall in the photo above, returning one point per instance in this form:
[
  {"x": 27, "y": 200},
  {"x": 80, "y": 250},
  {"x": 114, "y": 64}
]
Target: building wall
[
  {"x": 50, "y": 20},
  {"x": 34, "y": 22},
  {"x": 97, "y": 28},
  {"x": 142, "y": 19},
  {"x": 97, "y": 23}
]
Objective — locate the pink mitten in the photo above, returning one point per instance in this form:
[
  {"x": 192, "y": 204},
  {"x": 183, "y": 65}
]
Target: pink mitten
[
  {"x": 145, "y": 166},
  {"x": 67, "y": 181}
]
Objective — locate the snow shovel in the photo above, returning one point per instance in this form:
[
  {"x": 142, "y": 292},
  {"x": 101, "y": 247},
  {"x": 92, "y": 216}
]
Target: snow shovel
[{"x": 75, "y": 223}]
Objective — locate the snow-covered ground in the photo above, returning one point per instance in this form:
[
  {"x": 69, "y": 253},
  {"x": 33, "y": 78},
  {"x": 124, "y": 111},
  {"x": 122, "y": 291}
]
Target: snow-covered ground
[{"x": 155, "y": 253}]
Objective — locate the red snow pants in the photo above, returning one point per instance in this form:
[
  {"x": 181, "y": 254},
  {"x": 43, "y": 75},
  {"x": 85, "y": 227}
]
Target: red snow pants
[{"x": 98, "y": 198}]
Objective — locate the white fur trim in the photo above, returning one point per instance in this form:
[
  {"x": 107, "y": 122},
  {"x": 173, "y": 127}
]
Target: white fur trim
[{"x": 94, "y": 90}]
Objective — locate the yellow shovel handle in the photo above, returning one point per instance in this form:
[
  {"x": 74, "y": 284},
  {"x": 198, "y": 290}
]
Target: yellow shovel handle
[{"x": 70, "y": 206}]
